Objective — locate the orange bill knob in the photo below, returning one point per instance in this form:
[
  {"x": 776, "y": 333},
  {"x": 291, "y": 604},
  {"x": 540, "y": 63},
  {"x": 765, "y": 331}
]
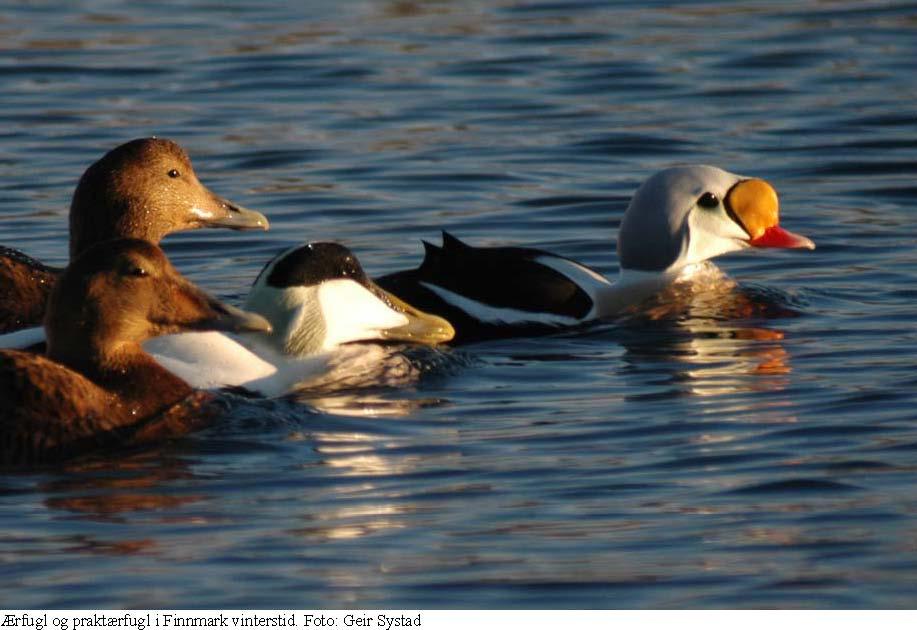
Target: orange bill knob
[{"x": 754, "y": 205}]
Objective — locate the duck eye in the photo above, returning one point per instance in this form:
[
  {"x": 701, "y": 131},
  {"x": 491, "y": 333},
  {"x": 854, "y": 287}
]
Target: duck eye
[
  {"x": 173, "y": 173},
  {"x": 708, "y": 200}
]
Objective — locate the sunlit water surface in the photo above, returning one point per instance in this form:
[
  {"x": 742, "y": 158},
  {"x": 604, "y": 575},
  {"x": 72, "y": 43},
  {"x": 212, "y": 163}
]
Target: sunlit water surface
[{"x": 755, "y": 449}]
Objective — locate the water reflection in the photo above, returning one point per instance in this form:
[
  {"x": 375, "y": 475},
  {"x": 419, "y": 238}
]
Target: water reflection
[
  {"x": 349, "y": 523},
  {"x": 712, "y": 338},
  {"x": 369, "y": 380},
  {"x": 362, "y": 403},
  {"x": 366, "y": 467},
  {"x": 105, "y": 488}
]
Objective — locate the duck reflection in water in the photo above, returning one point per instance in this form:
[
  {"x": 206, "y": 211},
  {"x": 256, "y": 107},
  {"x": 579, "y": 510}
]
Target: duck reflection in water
[{"x": 710, "y": 337}]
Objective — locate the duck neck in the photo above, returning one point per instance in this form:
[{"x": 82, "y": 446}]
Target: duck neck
[
  {"x": 631, "y": 288},
  {"x": 296, "y": 315},
  {"x": 89, "y": 228},
  {"x": 126, "y": 371}
]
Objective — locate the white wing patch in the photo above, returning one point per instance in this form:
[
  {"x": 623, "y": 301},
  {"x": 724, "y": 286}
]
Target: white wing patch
[
  {"x": 596, "y": 286},
  {"x": 210, "y": 360},
  {"x": 498, "y": 315},
  {"x": 207, "y": 360},
  {"x": 580, "y": 275},
  {"x": 353, "y": 313}
]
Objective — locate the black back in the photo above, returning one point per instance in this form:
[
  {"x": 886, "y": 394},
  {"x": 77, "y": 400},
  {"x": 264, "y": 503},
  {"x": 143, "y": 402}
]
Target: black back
[{"x": 502, "y": 277}]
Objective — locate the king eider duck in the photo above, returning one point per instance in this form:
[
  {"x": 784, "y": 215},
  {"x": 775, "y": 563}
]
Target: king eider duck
[
  {"x": 317, "y": 298},
  {"x": 96, "y": 388},
  {"x": 144, "y": 189},
  {"x": 677, "y": 219}
]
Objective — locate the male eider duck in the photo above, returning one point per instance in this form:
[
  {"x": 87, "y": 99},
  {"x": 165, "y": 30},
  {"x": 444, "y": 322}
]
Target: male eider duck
[
  {"x": 143, "y": 189},
  {"x": 96, "y": 387},
  {"x": 678, "y": 218},
  {"x": 317, "y": 298}
]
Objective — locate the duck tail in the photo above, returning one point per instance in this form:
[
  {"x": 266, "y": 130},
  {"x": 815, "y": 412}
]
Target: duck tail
[
  {"x": 451, "y": 243},
  {"x": 432, "y": 255}
]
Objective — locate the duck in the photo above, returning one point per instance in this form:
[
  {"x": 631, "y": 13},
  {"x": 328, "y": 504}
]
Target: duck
[
  {"x": 95, "y": 387},
  {"x": 677, "y": 220},
  {"x": 145, "y": 188},
  {"x": 319, "y": 301}
]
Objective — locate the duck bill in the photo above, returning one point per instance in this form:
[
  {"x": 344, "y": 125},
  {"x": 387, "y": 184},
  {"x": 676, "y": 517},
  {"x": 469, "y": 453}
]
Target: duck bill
[
  {"x": 776, "y": 236},
  {"x": 754, "y": 205},
  {"x": 215, "y": 315},
  {"x": 421, "y": 327},
  {"x": 222, "y": 213},
  {"x": 228, "y": 318},
  {"x": 185, "y": 307}
]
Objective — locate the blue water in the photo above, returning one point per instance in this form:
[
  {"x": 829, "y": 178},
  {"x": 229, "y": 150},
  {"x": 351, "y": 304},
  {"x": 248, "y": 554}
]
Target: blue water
[{"x": 705, "y": 460}]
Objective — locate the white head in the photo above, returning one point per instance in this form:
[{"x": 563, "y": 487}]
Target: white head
[
  {"x": 689, "y": 214},
  {"x": 317, "y": 297}
]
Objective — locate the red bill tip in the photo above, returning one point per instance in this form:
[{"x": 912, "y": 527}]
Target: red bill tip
[{"x": 776, "y": 236}]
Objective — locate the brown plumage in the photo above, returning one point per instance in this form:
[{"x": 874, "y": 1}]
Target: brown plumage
[
  {"x": 96, "y": 387},
  {"x": 145, "y": 189},
  {"x": 25, "y": 285}
]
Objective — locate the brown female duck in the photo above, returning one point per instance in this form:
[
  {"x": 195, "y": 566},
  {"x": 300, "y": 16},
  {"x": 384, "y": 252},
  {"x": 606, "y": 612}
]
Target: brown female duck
[
  {"x": 96, "y": 387},
  {"x": 145, "y": 189}
]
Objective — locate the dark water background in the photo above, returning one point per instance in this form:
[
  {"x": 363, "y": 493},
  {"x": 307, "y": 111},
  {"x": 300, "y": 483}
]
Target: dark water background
[{"x": 709, "y": 461}]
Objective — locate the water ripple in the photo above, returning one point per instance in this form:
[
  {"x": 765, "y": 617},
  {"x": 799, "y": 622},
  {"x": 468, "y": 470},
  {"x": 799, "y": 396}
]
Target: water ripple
[{"x": 748, "y": 446}]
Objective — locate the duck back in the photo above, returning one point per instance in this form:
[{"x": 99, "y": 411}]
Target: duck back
[
  {"x": 495, "y": 292},
  {"x": 25, "y": 285},
  {"x": 49, "y": 413}
]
